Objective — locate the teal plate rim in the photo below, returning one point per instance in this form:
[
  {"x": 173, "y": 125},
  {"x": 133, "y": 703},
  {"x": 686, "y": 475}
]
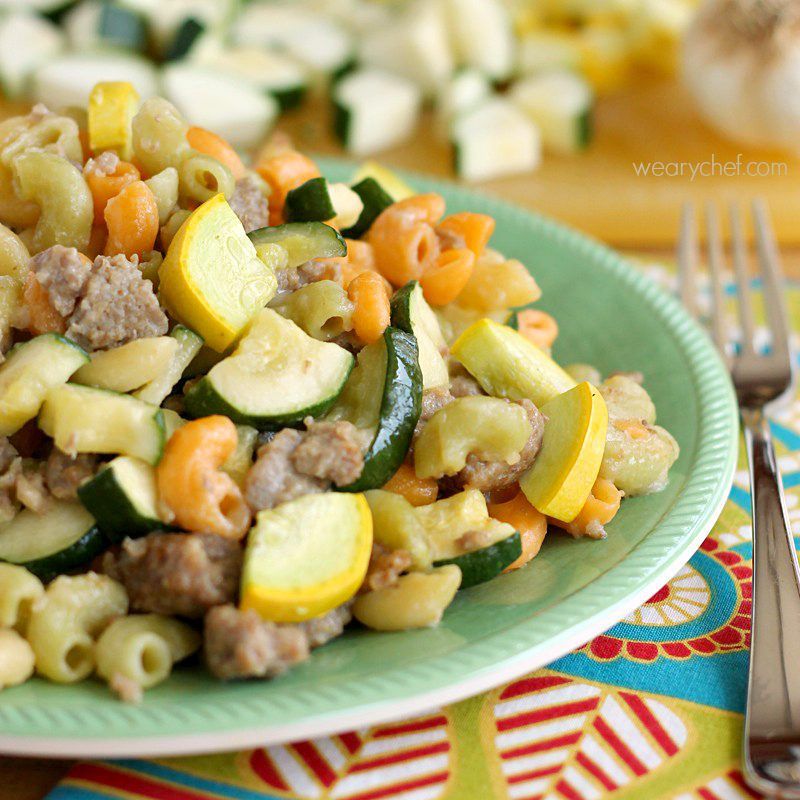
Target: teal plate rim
[{"x": 253, "y": 719}]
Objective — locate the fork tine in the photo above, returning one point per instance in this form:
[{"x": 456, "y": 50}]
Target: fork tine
[
  {"x": 742, "y": 279},
  {"x": 773, "y": 279},
  {"x": 687, "y": 259},
  {"x": 715, "y": 261}
]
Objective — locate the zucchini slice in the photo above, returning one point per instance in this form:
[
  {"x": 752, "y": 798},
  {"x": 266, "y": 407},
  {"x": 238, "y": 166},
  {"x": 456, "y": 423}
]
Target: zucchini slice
[
  {"x": 189, "y": 344},
  {"x": 492, "y": 139},
  {"x": 411, "y": 313},
  {"x": 560, "y": 103},
  {"x": 223, "y": 104},
  {"x": 374, "y": 199},
  {"x": 26, "y": 42},
  {"x": 123, "y": 498},
  {"x": 374, "y": 110},
  {"x": 276, "y": 376},
  {"x": 302, "y": 241},
  {"x": 86, "y": 420},
  {"x": 271, "y": 72},
  {"x": 30, "y": 371},
  {"x": 482, "y": 565},
  {"x": 319, "y": 201},
  {"x": 64, "y": 538},
  {"x": 512, "y": 320},
  {"x": 482, "y": 33},
  {"x": 129, "y": 366},
  {"x": 388, "y": 377}
]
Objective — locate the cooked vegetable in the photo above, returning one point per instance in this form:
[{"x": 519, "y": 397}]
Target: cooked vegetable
[
  {"x": 383, "y": 396},
  {"x": 277, "y": 376},
  {"x": 29, "y": 372},
  {"x": 479, "y": 566},
  {"x": 307, "y": 556},
  {"x": 302, "y": 241},
  {"x": 238, "y": 463},
  {"x": 412, "y": 314},
  {"x": 123, "y": 498},
  {"x": 211, "y": 279},
  {"x": 490, "y": 428},
  {"x": 374, "y": 110},
  {"x": 26, "y": 42},
  {"x": 319, "y": 201},
  {"x": 98, "y": 24},
  {"x": 483, "y": 36},
  {"x": 566, "y": 468},
  {"x": 61, "y": 539},
  {"x": 527, "y": 521},
  {"x": 112, "y": 106},
  {"x": 397, "y": 527},
  {"x": 129, "y": 366},
  {"x": 506, "y": 364},
  {"x": 374, "y": 199},
  {"x": 187, "y": 346},
  {"x": 418, "y": 491},
  {"x": 86, "y": 420}
]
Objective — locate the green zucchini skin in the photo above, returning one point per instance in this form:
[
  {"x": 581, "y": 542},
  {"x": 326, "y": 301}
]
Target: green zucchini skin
[
  {"x": 187, "y": 34},
  {"x": 401, "y": 307},
  {"x": 122, "y": 27},
  {"x": 375, "y": 199},
  {"x": 204, "y": 399},
  {"x": 401, "y": 405},
  {"x": 289, "y": 98},
  {"x": 482, "y": 565},
  {"x": 318, "y": 239},
  {"x": 310, "y": 202},
  {"x": 513, "y": 320},
  {"x": 116, "y": 516},
  {"x": 77, "y": 555}
]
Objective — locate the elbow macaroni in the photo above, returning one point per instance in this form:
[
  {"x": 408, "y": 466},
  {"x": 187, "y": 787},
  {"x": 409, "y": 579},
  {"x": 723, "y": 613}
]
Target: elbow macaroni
[
  {"x": 16, "y": 659},
  {"x": 164, "y": 186},
  {"x": 159, "y": 136},
  {"x": 143, "y": 648},
  {"x": 322, "y": 309},
  {"x": 67, "y": 618},
  {"x": 202, "y": 177},
  {"x": 19, "y": 589}
]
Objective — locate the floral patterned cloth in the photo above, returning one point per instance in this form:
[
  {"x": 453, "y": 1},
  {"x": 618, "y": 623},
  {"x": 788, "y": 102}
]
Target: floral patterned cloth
[{"x": 651, "y": 709}]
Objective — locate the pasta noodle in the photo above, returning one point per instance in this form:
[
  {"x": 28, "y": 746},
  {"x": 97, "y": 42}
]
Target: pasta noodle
[
  {"x": 201, "y": 177},
  {"x": 67, "y": 618},
  {"x": 16, "y": 659},
  {"x": 599, "y": 509},
  {"x": 164, "y": 186},
  {"x": 18, "y": 591},
  {"x": 159, "y": 136}
]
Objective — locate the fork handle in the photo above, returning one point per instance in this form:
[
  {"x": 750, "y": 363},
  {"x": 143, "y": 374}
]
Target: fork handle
[{"x": 772, "y": 721}]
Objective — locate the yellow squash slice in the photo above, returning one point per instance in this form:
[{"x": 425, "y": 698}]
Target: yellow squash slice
[
  {"x": 560, "y": 480},
  {"x": 307, "y": 556},
  {"x": 112, "y": 106},
  {"x": 212, "y": 280}
]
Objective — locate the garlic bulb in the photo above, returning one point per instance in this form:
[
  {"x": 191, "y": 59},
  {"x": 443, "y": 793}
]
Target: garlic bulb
[{"x": 741, "y": 62}]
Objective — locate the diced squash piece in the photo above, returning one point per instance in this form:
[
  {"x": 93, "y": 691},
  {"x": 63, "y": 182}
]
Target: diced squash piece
[{"x": 112, "y": 106}]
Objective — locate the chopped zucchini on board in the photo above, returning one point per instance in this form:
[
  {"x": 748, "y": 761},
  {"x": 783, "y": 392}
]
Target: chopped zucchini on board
[
  {"x": 545, "y": 50},
  {"x": 125, "y": 368},
  {"x": 63, "y": 538},
  {"x": 220, "y": 102},
  {"x": 319, "y": 201},
  {"x": 414, "y": 44},
  {"x": 212, "y": 280},
  {"x": 319, "y": 43},
  {"x": 374, "y": 199},
  {"x": 176, "y": 25},
  {"x": 307, "y": 556},
  {"x": 277, "y": 376},
  {"x": 188, "y": 346},
  {"x": 29, "y": 372},
  {"x": 82, "y": 419},
  {"x": 94, "y": 24},
  {"x": 411, "y": 313},
  {"x": 302, "y": 241},
  {"x": 493, "y": 139},
  {"x": 483, "y": 36},
  {"x": 374, "y": 110},
  {"x": 26, "y": 42},
  {"x": 69, "y": 79},
  {"x": 384, "y": 395},
  {"x": 274, "y": 73},
  {"x": 560, "y": 103},
  {"x": 123, "y": 498},
  {"x": 465, "y": 89}
]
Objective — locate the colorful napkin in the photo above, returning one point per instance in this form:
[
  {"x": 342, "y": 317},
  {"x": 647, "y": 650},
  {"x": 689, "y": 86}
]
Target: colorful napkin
[{"x": 650, "y": 710}]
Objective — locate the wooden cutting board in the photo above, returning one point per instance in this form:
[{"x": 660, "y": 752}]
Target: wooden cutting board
[{"x": 599, "y": 191}]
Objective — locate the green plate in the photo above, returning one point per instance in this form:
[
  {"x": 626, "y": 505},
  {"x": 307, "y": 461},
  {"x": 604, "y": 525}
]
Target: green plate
[{"x": 611, "y": 316}]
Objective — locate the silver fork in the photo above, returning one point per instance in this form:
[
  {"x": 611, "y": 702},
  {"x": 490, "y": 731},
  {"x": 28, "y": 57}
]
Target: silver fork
[{"x": 772, "y": 721}]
